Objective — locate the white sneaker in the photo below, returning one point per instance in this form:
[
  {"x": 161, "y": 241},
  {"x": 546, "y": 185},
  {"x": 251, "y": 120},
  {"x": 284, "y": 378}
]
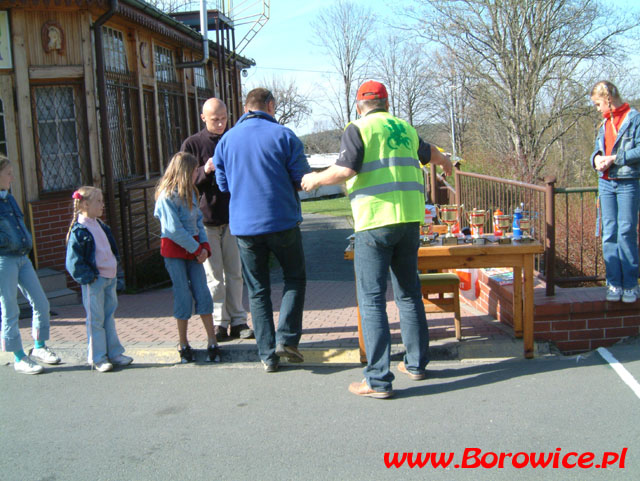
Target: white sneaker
[
  {"x": 103, "y": 366},
  {"x": 121, "y": 360},
  {"x": 629, "y": 296},
  {"x": 26, "y": 365},
  {"x": 44, "y": 354},
  {"x": 613, "y": 294}
]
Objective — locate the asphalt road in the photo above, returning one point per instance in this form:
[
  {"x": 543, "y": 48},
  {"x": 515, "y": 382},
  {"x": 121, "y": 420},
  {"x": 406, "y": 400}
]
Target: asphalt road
[{"x": 203, "y": 422}]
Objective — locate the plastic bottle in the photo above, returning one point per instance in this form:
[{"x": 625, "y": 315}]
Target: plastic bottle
[
  {"x": 496, "y": 226},
  {"x": 517, "y": 215}
]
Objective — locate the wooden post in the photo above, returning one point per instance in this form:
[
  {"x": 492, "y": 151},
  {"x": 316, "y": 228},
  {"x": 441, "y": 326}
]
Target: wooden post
[{"x": 550, "y": 238}]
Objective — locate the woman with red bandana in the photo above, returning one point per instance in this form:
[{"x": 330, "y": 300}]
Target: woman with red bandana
[{"x": 617, "y": 160}]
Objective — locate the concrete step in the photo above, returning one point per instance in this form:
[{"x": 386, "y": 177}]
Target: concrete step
[
  {"x": 59, "y": 297},
  {"x": 51, "y": 279}
]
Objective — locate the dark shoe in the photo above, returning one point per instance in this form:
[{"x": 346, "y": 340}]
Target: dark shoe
[
  {"x": 221, "y": 333},
  {"x": 186, "y": 355},
  {"x": 290, "y": 352},
  {"x": 214, "y": 354},
  {"x": 271, "y": 366},
  {"x": 412, "y": 375},
  {"x": 242, "y": 331},
  {"x": 363, "y": 389}
]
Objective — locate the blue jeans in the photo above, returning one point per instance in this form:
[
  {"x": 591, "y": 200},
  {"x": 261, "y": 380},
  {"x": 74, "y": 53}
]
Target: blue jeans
[
  {"x": 189, "y": 283},
  {"x": 377, "y": 251},
  {"x": 619, "y": 202},
  {"x": 100, "y": 301},
  {"x": 17, "y": 271},
  {"x": 286, "y": 246}
]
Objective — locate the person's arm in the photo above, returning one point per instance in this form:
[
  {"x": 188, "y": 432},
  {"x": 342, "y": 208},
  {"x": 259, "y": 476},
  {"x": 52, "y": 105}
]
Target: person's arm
[
  {"x": 335, "y": 174},
  {"x": 220, "y": 173},
  {"x": 75, "y": 261},
  {"x": 297, "y": 164},
  {"x": 167, "y": 212},
  {"x": 631, "y": 155},
  {"x": 428, "y": 153}
]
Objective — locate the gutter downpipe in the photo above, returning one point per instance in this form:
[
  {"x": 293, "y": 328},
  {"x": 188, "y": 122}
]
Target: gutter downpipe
[
  {"x": 105, "y": 135},
  {"x": 204, "y": 29}
]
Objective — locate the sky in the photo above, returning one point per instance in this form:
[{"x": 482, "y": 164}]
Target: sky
[{"x": 284, "y": 46}]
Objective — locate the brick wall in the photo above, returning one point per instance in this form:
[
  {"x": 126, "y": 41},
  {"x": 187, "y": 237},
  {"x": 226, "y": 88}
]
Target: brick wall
[
  {"x": 51, "y": 219},
  {"x": 575, "y": 319}
]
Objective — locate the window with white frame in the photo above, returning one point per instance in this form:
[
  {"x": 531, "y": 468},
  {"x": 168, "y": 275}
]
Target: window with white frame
[
  {"x": 165, "y": 72},
  {"x": 201, "y": 78},
  {"x": 115, "y": 54}
]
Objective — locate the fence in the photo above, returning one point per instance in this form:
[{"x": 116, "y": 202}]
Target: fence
[{"x": 563, "y": 219}]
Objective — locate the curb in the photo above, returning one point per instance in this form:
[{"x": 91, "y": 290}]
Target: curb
[{"x": 482, "y": 351}]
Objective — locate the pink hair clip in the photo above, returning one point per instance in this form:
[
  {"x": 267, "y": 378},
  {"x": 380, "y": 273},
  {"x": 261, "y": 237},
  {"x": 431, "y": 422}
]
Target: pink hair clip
[{"x": 77, "y": 195}]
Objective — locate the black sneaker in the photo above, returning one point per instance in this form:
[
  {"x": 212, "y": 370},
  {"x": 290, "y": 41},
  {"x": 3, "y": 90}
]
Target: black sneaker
[
  {"x": 213, "y": 354},
  {"x": 290, "y": 352},
  {"x": 186, "y": 354},
  {"x": 271, "y": 366},
  {"x": 221, "y": 333},
  {"x": 243, "y": 331}
]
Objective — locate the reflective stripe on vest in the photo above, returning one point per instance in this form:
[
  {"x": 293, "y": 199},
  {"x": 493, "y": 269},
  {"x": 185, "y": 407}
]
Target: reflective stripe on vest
[{"x": 389, "y": 188}]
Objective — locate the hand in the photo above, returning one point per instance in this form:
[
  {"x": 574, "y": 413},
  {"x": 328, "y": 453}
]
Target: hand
[
  {"x": 309, "y": 182},
  {"x": 202, "y": 256},
  {"x": 603, "y": 162},
  {"x": 446, "y": 165},
  {"x": 209, "y": 167}
]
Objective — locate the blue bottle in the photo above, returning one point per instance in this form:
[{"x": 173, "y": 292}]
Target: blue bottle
[{"x": 517, "y": 215}]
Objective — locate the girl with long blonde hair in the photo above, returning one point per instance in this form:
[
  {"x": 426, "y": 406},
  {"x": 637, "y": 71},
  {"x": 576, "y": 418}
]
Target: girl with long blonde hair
[
  {"x": 184, "y": 247},
  {"x": 92, "y": 261},
  {"x": 616, "y": 158}
]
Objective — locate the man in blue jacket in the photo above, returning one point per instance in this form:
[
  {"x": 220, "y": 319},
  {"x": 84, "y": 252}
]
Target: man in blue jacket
[{"x": 261, "y": 163}]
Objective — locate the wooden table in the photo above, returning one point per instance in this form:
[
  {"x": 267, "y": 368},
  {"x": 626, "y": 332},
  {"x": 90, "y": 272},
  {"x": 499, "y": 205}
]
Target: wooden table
[{"x": 518, "y": 256}]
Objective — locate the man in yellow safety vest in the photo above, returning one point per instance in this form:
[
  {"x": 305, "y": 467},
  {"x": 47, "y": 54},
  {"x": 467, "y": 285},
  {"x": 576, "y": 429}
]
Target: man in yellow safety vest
[{"x": 380, "y": 157}]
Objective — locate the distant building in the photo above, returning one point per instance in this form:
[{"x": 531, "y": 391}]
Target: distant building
[
  {"x": 320, "y": 162},
  {"x": 103, "y": 92}
]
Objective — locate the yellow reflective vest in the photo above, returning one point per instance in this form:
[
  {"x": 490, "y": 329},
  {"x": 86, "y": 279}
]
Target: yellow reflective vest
[{"x": 389, "y": 189}]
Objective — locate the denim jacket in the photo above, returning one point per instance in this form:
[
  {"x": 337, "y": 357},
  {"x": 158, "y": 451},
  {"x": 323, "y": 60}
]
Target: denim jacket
[
  {"x": 81, "y": 253},
  {"x": 180, "y": 224},
  {"x": 626, "y": 149},
  {"x": 15, "y": 239}
]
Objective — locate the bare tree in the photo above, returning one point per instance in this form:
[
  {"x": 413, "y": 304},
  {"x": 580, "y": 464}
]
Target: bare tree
[
  {"x": 342, "y": 31},
  {"x": 529, "y": 61},
  {"x": 292, "y": 106}
]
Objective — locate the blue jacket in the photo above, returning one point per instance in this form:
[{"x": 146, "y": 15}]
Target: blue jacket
[
  {"x": 626, "y": 149},
  {"x": 178, "y": 223},
  {"x": 15, "y": 239},
  {"x": 81, "y": 253},
  {"x": 261, "y": 163}
]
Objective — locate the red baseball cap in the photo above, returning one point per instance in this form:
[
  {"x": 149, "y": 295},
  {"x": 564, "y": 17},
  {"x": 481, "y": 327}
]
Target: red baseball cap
[{"x": 371, "y": 90}]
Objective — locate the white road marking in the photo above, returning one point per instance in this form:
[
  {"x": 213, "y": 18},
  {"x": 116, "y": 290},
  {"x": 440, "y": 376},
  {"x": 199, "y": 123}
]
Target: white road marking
[{"x": 620, "y": 369}]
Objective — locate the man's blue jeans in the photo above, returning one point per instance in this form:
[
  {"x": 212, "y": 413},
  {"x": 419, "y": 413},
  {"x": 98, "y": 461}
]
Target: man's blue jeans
[
  {"x": 254, "y": 253},
  {"x": 377, "y": 251},
  {"x": 18, "y": 272},
  {"x": 619, "y": 201}
]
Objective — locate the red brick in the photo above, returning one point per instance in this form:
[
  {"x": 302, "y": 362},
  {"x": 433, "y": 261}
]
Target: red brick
[
  {"x": 596, "y": 343},
  {"x": 552, "y": 309},
  {"x": 622, "y": 331},
  {"x": 610, "y": 322},
  {"x": 586, "y": 334},
  {"x": 556, "y": 317},
  {"x": 594, "y": 306},
  {"x": 588, "y": 315},
  {"x": 541, "y": 326},
  {"x": 569, "y": 325},
  {"x": 573, "y": 346},
  {"x": 552, "y": 336},
  {"x": 631, "y": 321}
]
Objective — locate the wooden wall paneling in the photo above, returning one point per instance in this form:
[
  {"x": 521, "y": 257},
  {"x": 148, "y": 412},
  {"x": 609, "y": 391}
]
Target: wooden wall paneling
[
  {"x": 185, "y": 95},
  {"x": 11, "y": 133},
  {"x": 71, "y": 24},
  {"x": 93, "y": 131},
  {"x": 161, "y": 154},
  {"x": 143, "y": 127},
  {"x": 23, "y": 98}
]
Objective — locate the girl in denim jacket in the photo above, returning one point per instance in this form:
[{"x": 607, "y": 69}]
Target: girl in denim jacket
[
  {"x": 617, "y": 159},
  {"x": 17, "y": 272},
  {"x": 184, "y": 247},
  {"x": 92, "y": 261}
]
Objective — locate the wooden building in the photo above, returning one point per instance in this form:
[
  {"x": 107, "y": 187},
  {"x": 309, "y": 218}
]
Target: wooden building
[{"x": 103, "y": 92}]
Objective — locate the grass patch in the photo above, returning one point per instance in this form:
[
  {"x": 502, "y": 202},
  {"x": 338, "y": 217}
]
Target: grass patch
[{"x": 333, "y": 206}]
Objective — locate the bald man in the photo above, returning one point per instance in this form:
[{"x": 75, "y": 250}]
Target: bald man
[{"x": 223, "y": 268}]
